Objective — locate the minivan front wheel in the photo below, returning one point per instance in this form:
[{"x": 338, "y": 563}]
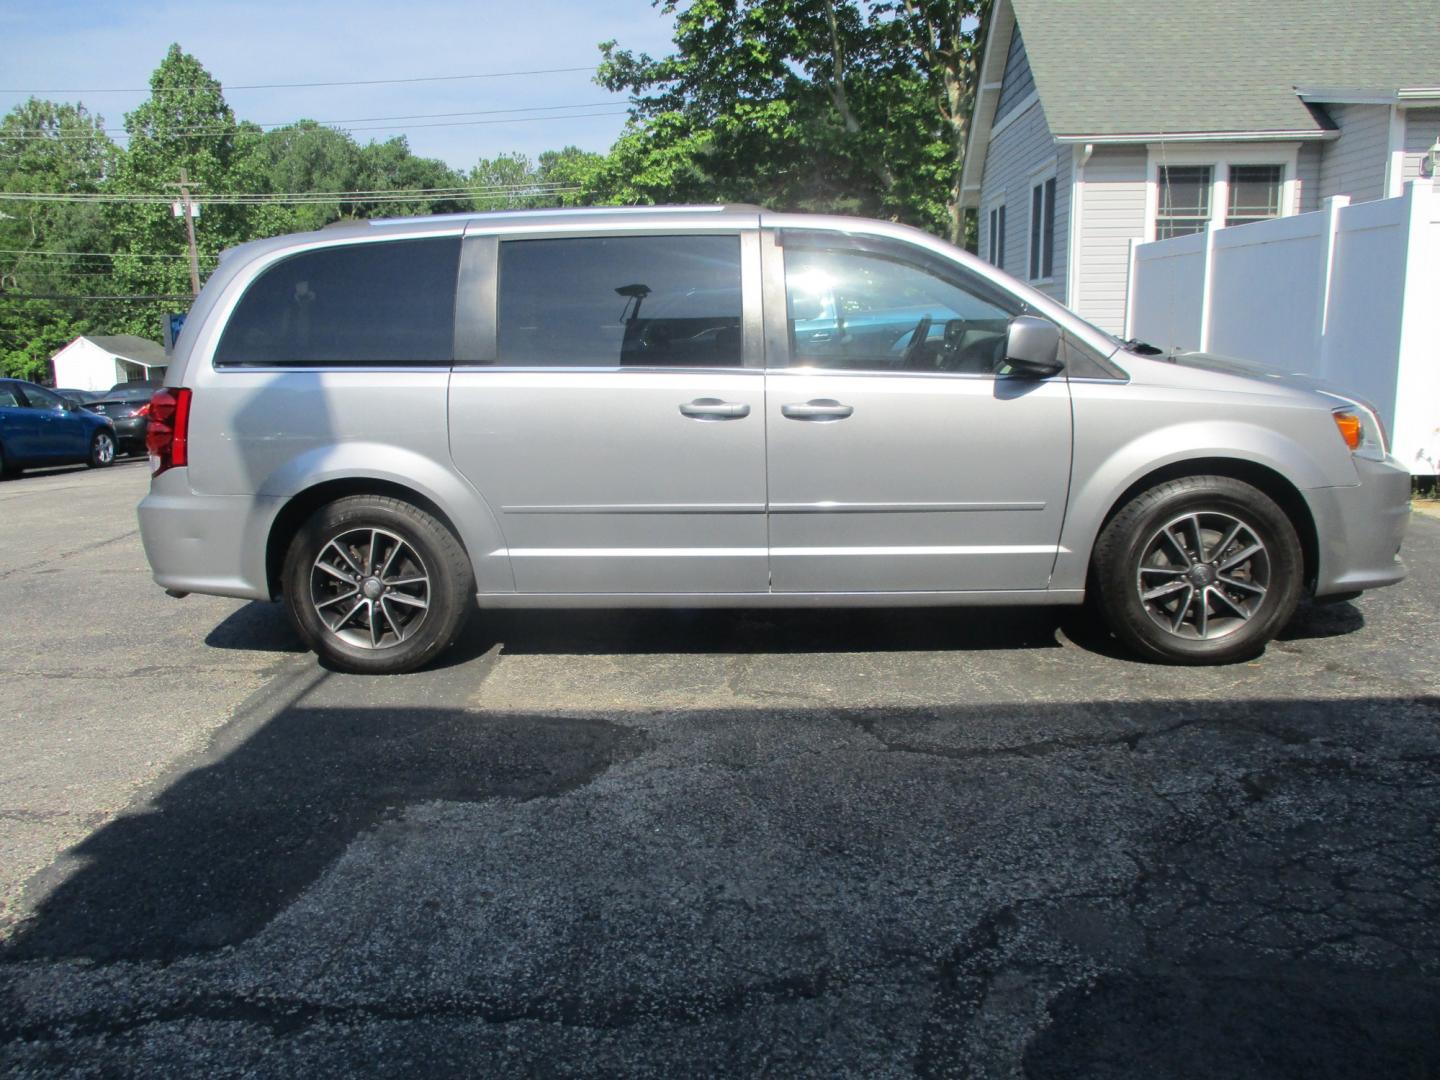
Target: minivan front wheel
[
  {"x": 376, "y": 585},
  {"x": 1199, "y": 570}
]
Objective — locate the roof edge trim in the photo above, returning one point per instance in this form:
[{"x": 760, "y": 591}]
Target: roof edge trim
[{"x": 1306, "y": 134}]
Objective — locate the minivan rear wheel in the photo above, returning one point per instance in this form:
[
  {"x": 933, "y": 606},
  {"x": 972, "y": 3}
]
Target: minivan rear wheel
[
  {"x": 1198, "y": 570},
  {"x": 376, "y": 585}
]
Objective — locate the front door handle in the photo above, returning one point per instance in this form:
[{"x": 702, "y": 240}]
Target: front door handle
[
  {"x": 821, "y": 409},
  {"x": 709, "y": 408}
]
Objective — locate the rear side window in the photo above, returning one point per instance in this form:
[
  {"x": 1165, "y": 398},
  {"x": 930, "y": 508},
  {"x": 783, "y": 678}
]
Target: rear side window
[
  {"x": 375, "y": 304},
  {"x": 633, "y": 301}
]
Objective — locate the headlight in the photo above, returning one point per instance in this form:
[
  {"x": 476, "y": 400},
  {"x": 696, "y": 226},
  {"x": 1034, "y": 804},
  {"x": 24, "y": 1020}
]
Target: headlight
[{"x": 1359, "y": 425}]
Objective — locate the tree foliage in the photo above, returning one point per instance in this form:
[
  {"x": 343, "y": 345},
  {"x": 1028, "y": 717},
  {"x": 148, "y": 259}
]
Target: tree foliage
[
  {"x": 46, "y": 147},
  {"x": 801, "y": 104}
]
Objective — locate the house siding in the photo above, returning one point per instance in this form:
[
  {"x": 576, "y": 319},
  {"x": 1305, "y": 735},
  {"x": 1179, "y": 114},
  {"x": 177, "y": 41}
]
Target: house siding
[
  {"x": 1307, "y": 177},
  {"x": 1422, "y": 128},
  {"x": 1018, "y": 83},
  {"x": 1113, "y": 213},
  {"x": 1354, "y": 164},
  {"x": 1015, "y": 155}
]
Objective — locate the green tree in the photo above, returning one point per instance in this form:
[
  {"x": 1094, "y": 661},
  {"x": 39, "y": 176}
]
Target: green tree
[
  {"x": 512, "y": 181},
  {"x": 309, "y": 157},
  {"x": 390, "y": 166},
  {"x": 50, "y": 248},
  {"x": 185, "y": 124},
  {"x": 802, "y": 104}
]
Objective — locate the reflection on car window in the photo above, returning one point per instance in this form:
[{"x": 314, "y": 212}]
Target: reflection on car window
[
  {"x": 8, "y": 400},
  {"x": 862, "y": 311},
  {"x": 633, "y": 301}
]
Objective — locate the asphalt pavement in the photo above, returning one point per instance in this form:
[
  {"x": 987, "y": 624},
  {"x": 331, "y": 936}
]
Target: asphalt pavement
[{"x": 973, "y": 843}]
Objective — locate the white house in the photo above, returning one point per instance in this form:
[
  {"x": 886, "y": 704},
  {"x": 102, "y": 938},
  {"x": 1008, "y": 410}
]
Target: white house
[
  {"x": 98, "y": 363},
  {"x": 1102, "y": 122}
]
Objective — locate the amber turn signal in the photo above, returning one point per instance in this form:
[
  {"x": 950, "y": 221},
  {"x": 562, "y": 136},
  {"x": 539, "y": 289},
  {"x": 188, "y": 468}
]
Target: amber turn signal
[{"x": 1350, "y": 429}]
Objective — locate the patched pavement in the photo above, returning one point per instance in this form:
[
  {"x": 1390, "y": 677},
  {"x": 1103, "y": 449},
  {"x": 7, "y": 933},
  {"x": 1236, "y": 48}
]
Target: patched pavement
[{"x": 965, "y": 843}]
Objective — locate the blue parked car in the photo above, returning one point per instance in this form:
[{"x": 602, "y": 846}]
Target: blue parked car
[{"x": 39, "y": 427}]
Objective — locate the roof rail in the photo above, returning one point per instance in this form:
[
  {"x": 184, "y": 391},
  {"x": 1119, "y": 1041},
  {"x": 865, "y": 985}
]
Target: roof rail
[{"x": 567, "y": 211}]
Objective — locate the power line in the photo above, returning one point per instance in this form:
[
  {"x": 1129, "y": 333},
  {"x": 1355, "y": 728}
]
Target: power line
[
  {"x": 526, "y": 190},
  {"x": 72, "y": 296},
  {"x": 93, "y": 254},
  {"x": 228, "y": 129},
  {"x": 210, "y": 87}
]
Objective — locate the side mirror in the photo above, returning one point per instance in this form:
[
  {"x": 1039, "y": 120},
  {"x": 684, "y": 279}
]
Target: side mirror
[{"x": 1032, "y": 348}]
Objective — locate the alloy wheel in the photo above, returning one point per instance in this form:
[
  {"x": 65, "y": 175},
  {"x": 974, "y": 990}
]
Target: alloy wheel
[
  {"x": 370, "y": 588},
  {"x": 1203, "y": 575}
]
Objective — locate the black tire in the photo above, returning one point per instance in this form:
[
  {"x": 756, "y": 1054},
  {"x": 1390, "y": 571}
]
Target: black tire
[
  {"x": 102, "y": 450},
  {"x": 1170, "y": 579},
  {"x": 385, "y": 636}
]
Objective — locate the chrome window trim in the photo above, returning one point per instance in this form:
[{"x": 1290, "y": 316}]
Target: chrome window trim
[{"x": 574, "y": 369}]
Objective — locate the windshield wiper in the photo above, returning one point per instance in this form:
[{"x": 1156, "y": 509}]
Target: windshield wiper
[{"x": 1144, "y": 348}]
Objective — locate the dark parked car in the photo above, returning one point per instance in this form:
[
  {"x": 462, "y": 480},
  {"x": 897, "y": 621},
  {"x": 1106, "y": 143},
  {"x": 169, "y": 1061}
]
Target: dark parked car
[
  {"x": 80, "y": 397},
  {"x": 128, "y": 406},
  {"x": 39, "y": 427}
]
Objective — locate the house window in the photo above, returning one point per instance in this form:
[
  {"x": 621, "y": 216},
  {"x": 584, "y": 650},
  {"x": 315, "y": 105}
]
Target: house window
[
  {"x": 1184, "y": 205},
  {"x": 996, "y": 253},
  {"x": 1254, "y": 193},
  {"x": 1042, "y": 230}
]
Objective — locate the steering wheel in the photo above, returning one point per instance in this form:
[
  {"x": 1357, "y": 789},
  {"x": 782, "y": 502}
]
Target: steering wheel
[{"x": 918, "y": 337}]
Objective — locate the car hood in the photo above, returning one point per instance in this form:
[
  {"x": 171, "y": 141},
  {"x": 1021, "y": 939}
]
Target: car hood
[{"x": 1251, "y": 371}]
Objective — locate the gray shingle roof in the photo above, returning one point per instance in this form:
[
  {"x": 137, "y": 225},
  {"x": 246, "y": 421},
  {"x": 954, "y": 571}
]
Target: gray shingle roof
[
  {"x": 1120, "y": 67},
  {"x": 132, "y": 347}
]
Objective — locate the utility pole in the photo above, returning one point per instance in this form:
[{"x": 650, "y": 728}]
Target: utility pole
[{"x": 188, "y": 209}]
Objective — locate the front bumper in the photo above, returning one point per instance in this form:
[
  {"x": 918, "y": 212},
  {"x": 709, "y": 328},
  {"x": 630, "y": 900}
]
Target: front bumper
[
  {"x": 211, "y": 544},
  {"x": 1360, "y": 528}
]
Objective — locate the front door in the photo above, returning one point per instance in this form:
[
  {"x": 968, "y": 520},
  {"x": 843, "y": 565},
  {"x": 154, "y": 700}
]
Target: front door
[
  {"x": 59, "y": 431},
  {"x": 619, "y": 433},
  {"x": 902, "y": 455}
]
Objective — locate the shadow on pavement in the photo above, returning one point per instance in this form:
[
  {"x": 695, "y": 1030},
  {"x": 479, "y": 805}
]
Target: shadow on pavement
[
  {"x": 1180, "y": 887},
  {"x": 261, "y": 626}
]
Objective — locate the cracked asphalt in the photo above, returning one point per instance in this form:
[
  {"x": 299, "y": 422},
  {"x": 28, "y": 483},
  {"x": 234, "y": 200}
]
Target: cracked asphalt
[{"x": 872, "y": 843}]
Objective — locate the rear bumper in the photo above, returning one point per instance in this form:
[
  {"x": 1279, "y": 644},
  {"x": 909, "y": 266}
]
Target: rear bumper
[
  {"x": 211, "y": 544},
  {"x": 1361, "y": 527},
  {"x": 130, "y": 434}
]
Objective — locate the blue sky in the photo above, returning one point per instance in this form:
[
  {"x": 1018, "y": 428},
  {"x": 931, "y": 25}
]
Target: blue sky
[{"x": 91, "y": 45}]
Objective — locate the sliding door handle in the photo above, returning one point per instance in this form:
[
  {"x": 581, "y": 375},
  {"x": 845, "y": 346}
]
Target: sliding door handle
[
  {"x": 818, "y": 409},
  {"x": 709, "y": 408}
]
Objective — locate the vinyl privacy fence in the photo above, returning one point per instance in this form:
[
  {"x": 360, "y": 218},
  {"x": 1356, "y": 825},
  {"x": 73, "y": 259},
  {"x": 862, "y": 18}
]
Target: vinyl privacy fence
[{"x": 1349, "y": 294}]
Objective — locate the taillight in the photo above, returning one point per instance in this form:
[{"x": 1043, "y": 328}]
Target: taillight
[{"x": 168, "y": 428}]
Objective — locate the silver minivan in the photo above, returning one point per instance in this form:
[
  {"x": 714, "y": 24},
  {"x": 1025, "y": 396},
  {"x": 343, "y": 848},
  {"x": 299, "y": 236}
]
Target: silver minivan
[{"x": 705, "y": 406}]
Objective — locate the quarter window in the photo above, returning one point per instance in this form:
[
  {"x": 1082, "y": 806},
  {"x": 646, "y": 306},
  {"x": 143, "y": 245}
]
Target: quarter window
[
  {"x": 1254, "y": 193},
  {"x": 632, "y": 301},
  {"x": 1184, "y": 205},
  {"x": 1042, "y": 230},
  {"x": 864, "y": 311},
  {"x": 366, "y": 305}
]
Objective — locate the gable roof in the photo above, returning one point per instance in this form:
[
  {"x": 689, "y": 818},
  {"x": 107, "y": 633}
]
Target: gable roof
[
  {"x": 132, "y": 347},
  {"x": 1127, "y": 70},
  {"x": 1117, "y": 67}
]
